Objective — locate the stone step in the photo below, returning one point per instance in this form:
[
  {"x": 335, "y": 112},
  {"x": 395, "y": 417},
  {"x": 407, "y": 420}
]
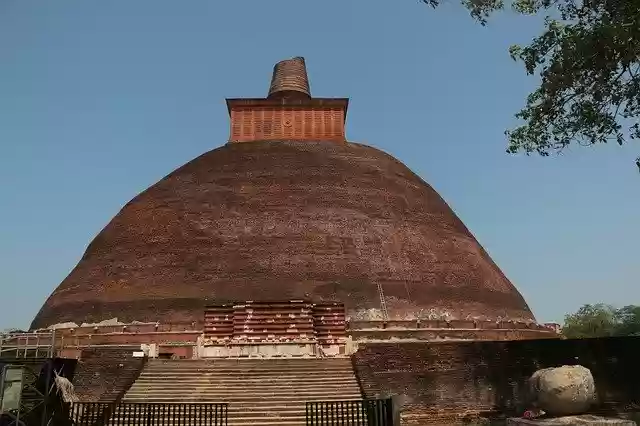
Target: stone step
[
  {"x": 241, "y": 384},
  {"x": 242, "y": 389},
  {"x": 268, "y": 406},
  {"x": 184, "y": 387},
  {"x": 251, "y": 381},
  {"x": 247, "y": 420},
  {"x": 234, "y": 399},
  {"x": 221, "y": 397},
  {"x": 240, "y": 367},
  {"x": 238, "y": 378},
  {"x": 231, "y": 422},
  {"x": 268, "y": 423},
  {"x": 261, "y": 421},
  {"x": 274, "y": 400},
  {"x": 256, "y": 371},
  {"x": 240, "y": 417},
  {"x": 246, "y": 361},
  {"x": 261, "y": 405},
  {"x": 258, "y": 392},
  {"x": 238, "y": 401},
  {"x": 245, "y": 367},
  {"x": 136, "y": 390},
  {"x": 238, "y": 370},
  {"x": 254, "y": 419},
  {"x": 248, "y": 381},
  {"x": 250, "y": 361},
  {"x": 234, "y": 414},
  {"x": 328, "y": 375},
  {"x": 189, "y": 384}
]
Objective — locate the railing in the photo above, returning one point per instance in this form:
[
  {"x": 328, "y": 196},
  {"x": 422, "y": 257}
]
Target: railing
[
  {"x": 369, "y": 412},
  {"x": 147, "y": 414},
  {"x": 28, "y": 345}
]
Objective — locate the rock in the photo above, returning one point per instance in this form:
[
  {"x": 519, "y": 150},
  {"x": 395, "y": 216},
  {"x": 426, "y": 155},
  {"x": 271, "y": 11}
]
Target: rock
[
  {"x": 563, "y": 390},
  {"x": 571, "y": 421},
  {"x": 63, "y": 325},
  {"x": 112, "y": 322}
]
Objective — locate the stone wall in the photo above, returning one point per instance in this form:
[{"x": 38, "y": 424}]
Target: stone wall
[
  {"x": 453, "y": 379},
  {"x": 105, "y": 374}
]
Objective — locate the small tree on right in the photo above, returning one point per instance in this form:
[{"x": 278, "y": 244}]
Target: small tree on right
[{"x": 601, "y": 320}]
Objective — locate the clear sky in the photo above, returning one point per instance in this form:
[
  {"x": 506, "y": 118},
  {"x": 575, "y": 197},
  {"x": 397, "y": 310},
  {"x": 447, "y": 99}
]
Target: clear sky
[{"x": 100, "y": 99}]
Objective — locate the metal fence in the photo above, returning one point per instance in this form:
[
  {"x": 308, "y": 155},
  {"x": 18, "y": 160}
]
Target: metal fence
[
  {"x": 369, "y": 412},
  {"x": 147, "y": 414},
  {"x": 28, "y": 345}
]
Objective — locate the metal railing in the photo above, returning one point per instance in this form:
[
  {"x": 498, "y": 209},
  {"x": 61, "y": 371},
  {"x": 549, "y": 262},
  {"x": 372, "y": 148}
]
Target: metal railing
[
  {"x": 369, "y": 412},
  {"x": 28, "y": 345},
  {"x": 147, "y": 414}
]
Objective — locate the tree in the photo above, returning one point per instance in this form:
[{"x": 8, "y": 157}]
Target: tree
[
  {"x": 588, "y": 59},
  {"x": 591, "y": 321},
  {"x": 628, "y": 321},
  {"x": 602, "y": 320}
]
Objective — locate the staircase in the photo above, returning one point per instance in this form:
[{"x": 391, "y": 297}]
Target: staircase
[{"x": 259, "y": 392}]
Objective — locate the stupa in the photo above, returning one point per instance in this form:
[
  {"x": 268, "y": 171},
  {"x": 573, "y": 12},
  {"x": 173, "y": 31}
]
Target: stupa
[
  {"x": 288, "y": 209},
  {"x": 292, "y": 277}
]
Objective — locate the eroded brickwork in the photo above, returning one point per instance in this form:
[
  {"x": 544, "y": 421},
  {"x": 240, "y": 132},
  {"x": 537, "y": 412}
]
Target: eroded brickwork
[
  {"x": 440, "y": 381},
  {"x": 297, "y": 220},
  {"x": 284, "y": 321},
  {"x": 105, "y": 374}
]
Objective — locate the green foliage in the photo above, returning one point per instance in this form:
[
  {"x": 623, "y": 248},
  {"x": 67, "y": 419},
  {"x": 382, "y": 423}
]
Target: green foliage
[
  {"x": 602, "y": 320},
  {"x": 628, "y": 321},
  {"x": 590, "y": 321},
  {"x": 588, "y": 59}
]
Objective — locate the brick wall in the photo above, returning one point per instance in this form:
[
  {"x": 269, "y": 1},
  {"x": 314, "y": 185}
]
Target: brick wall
[
  {"x": 287, "y": 123},
  {"x": 283, "y": 321},
  {"x": 105, "y": 374},
  {"x": 436, "y": 380}
]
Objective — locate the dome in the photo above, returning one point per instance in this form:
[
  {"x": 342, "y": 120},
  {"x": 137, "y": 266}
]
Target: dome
[{"x": 285, "y": 220}]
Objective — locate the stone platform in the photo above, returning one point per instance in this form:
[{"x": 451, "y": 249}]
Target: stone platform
[{"x": 571, "y": 420}]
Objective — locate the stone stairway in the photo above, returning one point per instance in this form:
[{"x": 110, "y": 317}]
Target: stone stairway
[{"x": 259, "y": 392}]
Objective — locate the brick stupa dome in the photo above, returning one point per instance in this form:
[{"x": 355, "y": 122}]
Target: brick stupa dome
[{"x": 286, "y": 210}]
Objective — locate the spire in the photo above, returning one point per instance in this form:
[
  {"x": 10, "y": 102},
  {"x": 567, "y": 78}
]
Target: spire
[
  {"x": 290, "y": 80},
  {"x": 288, "y": 113}
]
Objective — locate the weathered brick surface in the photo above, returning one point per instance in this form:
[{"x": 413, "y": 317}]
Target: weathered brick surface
[
  {"x": 436, "y": 381},
  {"x": 105, "y": 374},
  {"x": 322, "y": 221},
  {"x": 289, "y": 79},
  {"x": 306, "y": 122},
  {"x": 281, "y": 321}
]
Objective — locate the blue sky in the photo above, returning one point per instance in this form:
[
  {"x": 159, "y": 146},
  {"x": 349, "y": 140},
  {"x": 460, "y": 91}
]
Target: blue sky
[{"x": 99, "y": 100}]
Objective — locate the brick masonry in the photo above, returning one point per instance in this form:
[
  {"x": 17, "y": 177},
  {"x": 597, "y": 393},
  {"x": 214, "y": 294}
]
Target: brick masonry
[
  {"x": 105, "y": 374},
  {"x": 300, "y": 123},
  {"x": 323, "y": 221},
  {"x": 434, "y": 381},
  {"x": 276, "y": 321}
]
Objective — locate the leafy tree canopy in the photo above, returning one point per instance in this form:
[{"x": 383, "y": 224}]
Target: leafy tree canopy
[
  {"x": 602, "y": 320},
  {"x": 588, "y": 59}
]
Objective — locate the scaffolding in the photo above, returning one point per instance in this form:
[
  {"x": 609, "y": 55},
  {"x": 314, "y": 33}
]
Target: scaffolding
[
  {"x": 29, "y": 395},
  {"x": 28, "y": 345}
]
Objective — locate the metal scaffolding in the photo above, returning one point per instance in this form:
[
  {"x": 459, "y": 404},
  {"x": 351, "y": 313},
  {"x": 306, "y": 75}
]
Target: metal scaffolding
[{"x": 28, "y": 345}]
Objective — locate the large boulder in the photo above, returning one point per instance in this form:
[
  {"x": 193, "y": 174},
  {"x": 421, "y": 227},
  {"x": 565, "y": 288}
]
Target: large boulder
[{"x": 563, "y": 390}]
